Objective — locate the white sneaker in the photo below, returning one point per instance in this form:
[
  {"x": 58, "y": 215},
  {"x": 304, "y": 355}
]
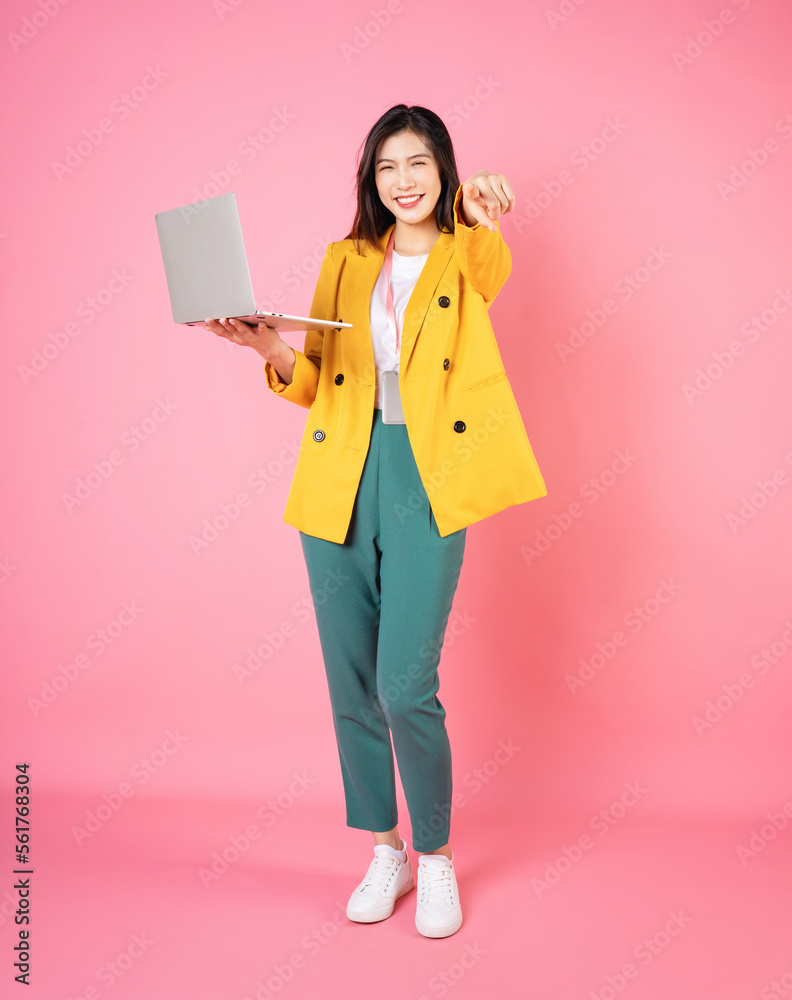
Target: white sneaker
[
  {"x": 386, "y": 880},
  {"x": 437, "y": 912}
]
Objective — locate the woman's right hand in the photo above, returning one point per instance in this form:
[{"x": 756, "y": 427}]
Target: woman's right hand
[
  {"x": 262, "y": 338},
  {"x": 265, "y": 340}
]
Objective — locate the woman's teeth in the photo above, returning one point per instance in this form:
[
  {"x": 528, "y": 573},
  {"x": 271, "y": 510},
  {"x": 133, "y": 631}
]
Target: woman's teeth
[{"x": 412, "y": 200}]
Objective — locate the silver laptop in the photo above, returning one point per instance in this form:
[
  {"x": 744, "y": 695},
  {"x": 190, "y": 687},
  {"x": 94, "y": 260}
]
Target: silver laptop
[{"x": 207, "y": 270}]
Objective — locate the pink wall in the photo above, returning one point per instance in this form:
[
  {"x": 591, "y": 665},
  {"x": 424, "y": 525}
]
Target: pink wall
[{"x": 652, "y": 214}]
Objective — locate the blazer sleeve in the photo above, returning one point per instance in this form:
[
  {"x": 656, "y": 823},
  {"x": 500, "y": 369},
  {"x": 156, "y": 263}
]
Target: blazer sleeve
[
  {"x": 484, "y": 258},
  {"x": 302, "y": 388}
]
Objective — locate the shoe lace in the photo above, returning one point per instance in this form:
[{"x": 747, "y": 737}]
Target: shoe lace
[
  {"x": 380, "y": 872},
  {"x": 436, "y": 883}
]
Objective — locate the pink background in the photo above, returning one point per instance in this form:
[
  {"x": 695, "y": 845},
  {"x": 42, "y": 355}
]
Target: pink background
[{"x": 682, "y": 887}]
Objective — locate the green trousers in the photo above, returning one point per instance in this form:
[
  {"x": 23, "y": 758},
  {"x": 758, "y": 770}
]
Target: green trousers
[{"x": 381, "y": 629}]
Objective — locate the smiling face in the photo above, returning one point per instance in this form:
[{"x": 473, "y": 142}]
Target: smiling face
[{"x": 404, "y": 167}]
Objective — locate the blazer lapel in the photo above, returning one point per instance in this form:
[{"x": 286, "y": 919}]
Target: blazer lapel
[{"x": 363, "y": 273}]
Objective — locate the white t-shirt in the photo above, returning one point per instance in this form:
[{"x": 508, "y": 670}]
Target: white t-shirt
[{"x": 404, "y": 274}]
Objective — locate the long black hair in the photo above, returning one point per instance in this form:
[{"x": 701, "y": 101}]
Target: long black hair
[{"x": 372, "y": 218}]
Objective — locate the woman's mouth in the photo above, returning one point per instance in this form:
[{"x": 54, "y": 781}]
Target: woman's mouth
[{"x": 408, "y": 201}]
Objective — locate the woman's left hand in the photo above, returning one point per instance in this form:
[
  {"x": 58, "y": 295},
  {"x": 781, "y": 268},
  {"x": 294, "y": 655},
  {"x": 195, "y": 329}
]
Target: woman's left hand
[{"x": 485, "y": 197}]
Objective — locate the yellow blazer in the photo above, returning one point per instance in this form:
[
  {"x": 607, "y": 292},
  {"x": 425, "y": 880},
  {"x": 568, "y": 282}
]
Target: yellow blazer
[{"x": 466, "y": 432}]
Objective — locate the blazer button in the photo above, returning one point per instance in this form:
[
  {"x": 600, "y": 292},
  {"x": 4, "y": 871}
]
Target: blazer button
[
  {"x": 446, "y": 364},
  {"x": 459, "y": 426},
  {"x": 444, "y": 301},
  {"x": 318, "y": 435},
  {"x": 339, "y": 379}
]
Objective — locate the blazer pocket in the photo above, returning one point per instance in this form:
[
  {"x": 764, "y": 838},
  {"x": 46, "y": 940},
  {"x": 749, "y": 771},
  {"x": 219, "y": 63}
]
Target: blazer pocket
[{"x": 489, "y": 380}]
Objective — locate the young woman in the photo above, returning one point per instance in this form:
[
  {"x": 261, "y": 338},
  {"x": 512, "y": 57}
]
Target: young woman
[{"x": 412, "y": 434}]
